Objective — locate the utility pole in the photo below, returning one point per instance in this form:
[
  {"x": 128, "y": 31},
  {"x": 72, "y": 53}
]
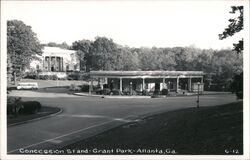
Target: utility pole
[{"x": 198, "y": 95}]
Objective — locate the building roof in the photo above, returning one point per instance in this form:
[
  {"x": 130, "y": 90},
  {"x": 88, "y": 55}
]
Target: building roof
[
  {"x": 56, "y": 51},
  {"x": 144, "y": 73}
]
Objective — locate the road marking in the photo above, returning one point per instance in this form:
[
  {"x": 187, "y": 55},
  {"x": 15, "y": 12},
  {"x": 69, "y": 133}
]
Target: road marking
[
  {"x": 95, "y": 116},
  {"x": 52, "y": 139}
]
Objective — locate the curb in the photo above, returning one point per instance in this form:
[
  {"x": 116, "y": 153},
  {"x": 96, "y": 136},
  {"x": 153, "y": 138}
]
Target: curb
[
  {"x": 126, "y": 97},
  {"x": 104, "y": 96},
  {"x": 36, "y": 119},
  {"x": 87, "y": 95},
  {"x": 155, "y": 97}
]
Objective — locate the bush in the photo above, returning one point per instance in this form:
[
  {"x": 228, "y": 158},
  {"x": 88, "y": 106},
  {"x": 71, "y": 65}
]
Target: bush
[
  {"x": 48, "y": 77},
  {"x": 31, "y": 75},
  {"x": 30, "y": 107},
  {"x": 53, "y": 77},
  {"x": 63, "y": 78},
  {"x": 164, "y": 92},
  {"x": 43, "y": 77},
  {"x": 73, "y": 76},
  {"x": 85, "y": 88},
  {"x": 74, "y": 87},
  {"x": 157, "y": 92},
  {"x": 115, "y": 92},
  {"x": 13, "y": 106},
  {"x": 104, "y": 91},
  {"x": 145, "y": 93},
  {"x": 239, "y": 95},
  {"x": 127, "y": 92}
]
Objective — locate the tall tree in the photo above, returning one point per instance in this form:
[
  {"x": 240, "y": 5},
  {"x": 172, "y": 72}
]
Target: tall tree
[
  {"x": 126, "y": 59},
  {"x": 235, "y": 26},
  {"x": 104, "y": 51},
  {"x": 22, "y": 45},
  {"x": 84, "y": 52}
]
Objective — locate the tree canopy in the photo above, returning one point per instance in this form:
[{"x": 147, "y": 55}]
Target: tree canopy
[
  {"x": 63, "y": 45},
  {"x": 22, "y": 45},
  {"x": 235, "y": 26},
  {"x": 104, "y": 54}
]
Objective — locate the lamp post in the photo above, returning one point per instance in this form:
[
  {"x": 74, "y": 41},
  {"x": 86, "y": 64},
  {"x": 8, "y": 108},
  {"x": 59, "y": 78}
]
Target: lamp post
[
  {"x": 130, "y": 88},
  {"x": 198, "y": 95}
]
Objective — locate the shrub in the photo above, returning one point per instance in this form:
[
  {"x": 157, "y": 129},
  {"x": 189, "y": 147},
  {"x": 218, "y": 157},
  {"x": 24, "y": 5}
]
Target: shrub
[
  {"x": 239, "y": 95},
  {"x": 44, "y": 77},
  {"x": 164, "y": 92},
  {"x": 63, "y": 78},
  {"x": 127, "y": 92},
  {"x": 30, "y": 107},
  {"x": 85, "y": 88},
  {"x": 115, "y": 92},
  {"x": 53, "y": 77},
  {"x": 104, "y": 91},
  {"x": 13, "y": 105},
  {"x": 145, "y": 93},
  {"x": 157, "y": 92},
  {"x": 74, "y": 87},
  {"x": 48, "y": 77},
  {"x": 31, "y": 75},
  {"x": 73, "y": 76},
  {"x": 105, "y": 86},
  {"x": 134, "y": 92}
]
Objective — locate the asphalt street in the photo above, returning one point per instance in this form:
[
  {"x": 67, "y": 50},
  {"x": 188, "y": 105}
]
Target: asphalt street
[{"x": 83, "y": 117}]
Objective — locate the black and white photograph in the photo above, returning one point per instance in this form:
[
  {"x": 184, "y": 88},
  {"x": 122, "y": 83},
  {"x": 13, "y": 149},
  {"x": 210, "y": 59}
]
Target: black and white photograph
[{"x": 125, "y": 79}]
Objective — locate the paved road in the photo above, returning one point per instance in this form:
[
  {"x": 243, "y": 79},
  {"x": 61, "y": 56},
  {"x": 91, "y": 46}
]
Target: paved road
[{"x": 87, "y": 116}]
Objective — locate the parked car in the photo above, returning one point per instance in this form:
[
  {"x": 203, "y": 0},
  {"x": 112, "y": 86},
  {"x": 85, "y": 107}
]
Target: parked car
[{"x": 27, "y": 85}]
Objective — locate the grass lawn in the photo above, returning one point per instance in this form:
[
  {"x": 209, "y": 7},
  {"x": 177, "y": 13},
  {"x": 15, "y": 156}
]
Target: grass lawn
[
  {"x": 45, "y": 111},
  {"x": 51, "y": 83},
  {"x": 214, "y": 130}
]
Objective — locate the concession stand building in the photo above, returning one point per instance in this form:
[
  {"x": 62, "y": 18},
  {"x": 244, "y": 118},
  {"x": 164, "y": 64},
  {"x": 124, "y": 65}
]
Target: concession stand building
[{"x": 174, "y": 81}]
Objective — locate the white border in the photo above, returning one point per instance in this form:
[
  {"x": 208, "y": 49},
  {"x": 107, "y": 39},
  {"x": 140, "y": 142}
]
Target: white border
[
  {"x": 3, "y": 135},
  {"x": 246, "y": 71}
]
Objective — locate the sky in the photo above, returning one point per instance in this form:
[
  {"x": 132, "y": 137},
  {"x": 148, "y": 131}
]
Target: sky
[{"x": 132, "y": 23}]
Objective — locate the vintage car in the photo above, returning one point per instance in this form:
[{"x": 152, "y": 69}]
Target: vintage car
[{"x": 27, "y": 85}]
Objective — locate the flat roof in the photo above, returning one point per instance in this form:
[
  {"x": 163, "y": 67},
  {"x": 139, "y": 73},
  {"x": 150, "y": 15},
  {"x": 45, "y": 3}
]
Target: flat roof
[
  {"x": 145, "y": 73},
  {"x": 56, "y": 50}
]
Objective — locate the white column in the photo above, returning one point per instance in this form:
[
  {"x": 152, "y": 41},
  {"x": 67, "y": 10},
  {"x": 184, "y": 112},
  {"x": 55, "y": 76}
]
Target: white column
[
  {"x": 62, "y": 63},
  {"x": 121, "y": 84},
  {"x": 163, "y": 84},
  {"x": 201, "y": 79},
  {"x": 143, "y": 83},
  {"x": 49, "y": 64},
  {"x": 43, "y": 63},
  {"x": 190, "y": 84}
]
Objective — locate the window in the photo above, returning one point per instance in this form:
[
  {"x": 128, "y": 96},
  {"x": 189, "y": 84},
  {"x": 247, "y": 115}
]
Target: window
[{"x": 75, "y": 67}]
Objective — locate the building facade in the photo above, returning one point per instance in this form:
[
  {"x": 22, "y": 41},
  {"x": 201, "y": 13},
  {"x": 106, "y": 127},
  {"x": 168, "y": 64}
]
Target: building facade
[
  {"x": 150, "y": 80},
  {"x": 55, "y": 59}
]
